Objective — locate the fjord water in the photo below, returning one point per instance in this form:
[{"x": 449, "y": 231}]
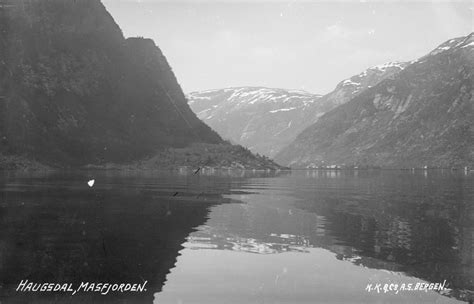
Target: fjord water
[{"x": 239, "y": 237}]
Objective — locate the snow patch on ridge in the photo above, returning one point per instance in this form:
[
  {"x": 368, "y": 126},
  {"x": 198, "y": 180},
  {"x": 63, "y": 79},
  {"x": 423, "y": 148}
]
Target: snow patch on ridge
[{"x": 283, "y": 110}]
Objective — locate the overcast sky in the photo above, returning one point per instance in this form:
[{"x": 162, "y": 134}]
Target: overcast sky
[{"x": 307, "y": 45}]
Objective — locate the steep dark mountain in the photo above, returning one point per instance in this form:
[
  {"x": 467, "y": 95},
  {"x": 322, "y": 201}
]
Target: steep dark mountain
[
  {"x": 74, "y": 91},
  {"x": 266, "y": 120},
  {"x": 422, "y": 116}
]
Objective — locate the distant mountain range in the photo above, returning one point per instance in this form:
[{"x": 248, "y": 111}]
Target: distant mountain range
[
  {"x": 265, "y": 120},
  {"x": 74, "y": 91},
  {"x": 421, "y": 116},
  {"x": 262, "y": 119}
]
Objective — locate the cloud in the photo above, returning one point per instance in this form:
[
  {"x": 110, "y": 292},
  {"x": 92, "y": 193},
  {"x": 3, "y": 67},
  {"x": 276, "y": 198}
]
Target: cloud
[
  {"x": 233, "y": 45},
  {"x": 338, "y": 32}
]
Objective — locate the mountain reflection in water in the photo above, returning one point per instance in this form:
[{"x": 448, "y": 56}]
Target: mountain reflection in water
[
  {"x": 410, "y": 226},
  {"x": 128, "y": 228},
  {"x": 239, "y": 237}
]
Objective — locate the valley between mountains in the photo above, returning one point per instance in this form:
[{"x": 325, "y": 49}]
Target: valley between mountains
[{"x": 76, "y": 93}]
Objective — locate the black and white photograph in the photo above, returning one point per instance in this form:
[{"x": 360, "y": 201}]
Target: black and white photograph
[{"x": 236, "y": 151}]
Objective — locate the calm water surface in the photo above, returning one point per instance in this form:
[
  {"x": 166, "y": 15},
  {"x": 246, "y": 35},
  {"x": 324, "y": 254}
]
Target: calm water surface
[{"x": 300, "y": 237}]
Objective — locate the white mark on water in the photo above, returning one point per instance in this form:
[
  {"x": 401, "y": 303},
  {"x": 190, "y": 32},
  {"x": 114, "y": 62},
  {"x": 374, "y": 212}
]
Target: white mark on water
[{"x": 91, "y": 183}]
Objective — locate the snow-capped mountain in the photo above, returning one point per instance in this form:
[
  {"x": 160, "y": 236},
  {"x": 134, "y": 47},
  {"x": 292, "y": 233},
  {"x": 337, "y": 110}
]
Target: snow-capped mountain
[
  {"x": 422, "y": 116},
  {"x": 453, "y": 44},
  {"x": 262, "y": 119},
  {"x": 265, "y": 120},
  {"x": 350, "y": 87}
]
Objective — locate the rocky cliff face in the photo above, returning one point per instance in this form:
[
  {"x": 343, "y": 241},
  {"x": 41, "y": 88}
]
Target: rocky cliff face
[
  {"x": 73, "y": 90},
  {"x": 266, "y": 120},
  {"x": 422, "y": 116}
]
